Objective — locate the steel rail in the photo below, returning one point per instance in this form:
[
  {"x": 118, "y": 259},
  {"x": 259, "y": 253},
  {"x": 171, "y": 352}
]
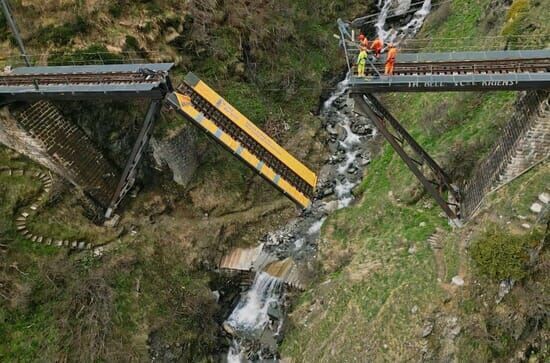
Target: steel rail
[
  {"x": 85, "y": 78},
  {"x": 467, "y": 67}
]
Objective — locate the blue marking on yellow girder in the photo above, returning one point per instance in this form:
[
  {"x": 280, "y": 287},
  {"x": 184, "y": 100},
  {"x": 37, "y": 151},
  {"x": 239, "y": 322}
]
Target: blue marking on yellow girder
[
  {"x": 218, "y": 133},
  {"x": 277, "y": 179},
  {"x": 260, "y": 165},
  {"x": 199, "y": 118},
  {"x": 239, "y": 150}
]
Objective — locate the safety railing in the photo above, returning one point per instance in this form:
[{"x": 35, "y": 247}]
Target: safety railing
[
  {"x": 488, "y": 43},
  {"x": 84, "y": 58},
  {"x": 440, "y": 45}
]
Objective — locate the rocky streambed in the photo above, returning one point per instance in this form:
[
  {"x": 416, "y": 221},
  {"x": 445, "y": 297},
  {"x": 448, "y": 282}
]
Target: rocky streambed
[{"x": 257, "y": 322}]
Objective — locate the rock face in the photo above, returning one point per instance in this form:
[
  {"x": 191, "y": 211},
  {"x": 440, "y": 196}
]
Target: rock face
[{"x": 178, "y": 153}]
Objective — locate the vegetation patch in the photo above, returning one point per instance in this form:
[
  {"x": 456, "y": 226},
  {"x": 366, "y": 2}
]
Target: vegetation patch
[{"x": 500, "y": 255}]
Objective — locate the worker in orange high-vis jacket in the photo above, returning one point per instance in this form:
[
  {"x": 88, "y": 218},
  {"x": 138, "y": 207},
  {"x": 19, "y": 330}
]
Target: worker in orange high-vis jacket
[
  {"x": 377, "y": 47},
  {"x": 390, "y": 61}
]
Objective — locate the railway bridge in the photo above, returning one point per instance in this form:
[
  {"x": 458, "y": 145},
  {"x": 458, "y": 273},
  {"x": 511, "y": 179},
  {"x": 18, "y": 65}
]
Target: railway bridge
[
  {"x": 61, "y": 143},
  {"x": 515, "y": 70},
  {"x": 202, "y": 106}
]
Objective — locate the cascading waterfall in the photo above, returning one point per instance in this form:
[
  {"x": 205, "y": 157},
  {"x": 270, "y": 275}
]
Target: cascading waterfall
[
  {"x": 250, "y": 315},
  {"x": 250, "y": 318},
  {"x": 409, "y": 29}
]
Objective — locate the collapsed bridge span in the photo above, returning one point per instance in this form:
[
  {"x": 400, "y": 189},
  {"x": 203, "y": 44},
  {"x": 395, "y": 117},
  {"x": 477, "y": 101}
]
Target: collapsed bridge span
[{"x": 212, "y": 114}]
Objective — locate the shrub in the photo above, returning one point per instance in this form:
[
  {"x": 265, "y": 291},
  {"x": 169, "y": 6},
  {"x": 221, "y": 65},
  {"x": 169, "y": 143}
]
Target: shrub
[
  {"x": 131, "y": 43},
  {"x": 62, "y": 34},
  {"x": 115, "y": 10},
  {"x": 500, "y": 255},
  {"x": 515, "y": 19}
]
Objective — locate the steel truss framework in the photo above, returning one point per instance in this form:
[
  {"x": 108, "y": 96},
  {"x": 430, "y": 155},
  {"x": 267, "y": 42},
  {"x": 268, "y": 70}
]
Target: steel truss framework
[
  {"x": 429, "y": 173},
  {"x": 128, "y": 177}
]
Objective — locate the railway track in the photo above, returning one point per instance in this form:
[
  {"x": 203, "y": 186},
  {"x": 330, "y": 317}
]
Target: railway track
[
  {"x": 252, "y": 145},
  {"x": 81, "y": 78},
  {"x": 466, "y": 67}
]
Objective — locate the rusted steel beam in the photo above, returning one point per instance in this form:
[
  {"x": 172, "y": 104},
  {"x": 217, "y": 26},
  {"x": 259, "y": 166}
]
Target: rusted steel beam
[
  {"x": 128, "y": 177},
  {"x": 368, "y": 106}
]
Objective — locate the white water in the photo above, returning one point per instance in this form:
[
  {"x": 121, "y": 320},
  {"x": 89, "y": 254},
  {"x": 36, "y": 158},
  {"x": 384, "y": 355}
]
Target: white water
[
  {"x": 341, "y": 88},
  {"x": 409, "y": 29},
  {"x": 251, "y": 312},
  {"x": 350, "y": 144},
  {"x": 316, "y": 227}
]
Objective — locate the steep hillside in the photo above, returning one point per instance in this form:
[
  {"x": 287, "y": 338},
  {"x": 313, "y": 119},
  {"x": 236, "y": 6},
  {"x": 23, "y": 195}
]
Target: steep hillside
[
  {"x": 150, "y": 295},
  {"x": 385, "y": 288}
]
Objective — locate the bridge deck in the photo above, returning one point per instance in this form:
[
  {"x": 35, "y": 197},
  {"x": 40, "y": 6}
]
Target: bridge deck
[
  {"x": 464, "y": 71},
  {"x": 86, "y": 82}
]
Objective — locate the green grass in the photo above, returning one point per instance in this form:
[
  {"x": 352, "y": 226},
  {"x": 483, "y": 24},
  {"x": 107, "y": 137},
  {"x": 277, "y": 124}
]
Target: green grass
[{"x": 458, "y": 129}]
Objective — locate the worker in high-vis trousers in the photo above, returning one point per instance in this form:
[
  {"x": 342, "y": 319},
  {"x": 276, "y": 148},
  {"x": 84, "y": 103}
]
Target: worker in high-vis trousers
[
  {"x": 390, "y": 61},
  {"x": 362, "y": 62}
]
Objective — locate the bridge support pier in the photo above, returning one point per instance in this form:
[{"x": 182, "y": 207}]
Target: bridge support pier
[
  {"x": 369, "y": 106},
  {"x": 128, "y": 177}
]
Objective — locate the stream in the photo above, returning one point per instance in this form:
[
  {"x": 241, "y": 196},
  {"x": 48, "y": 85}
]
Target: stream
[{"x": 257, "y": 322}]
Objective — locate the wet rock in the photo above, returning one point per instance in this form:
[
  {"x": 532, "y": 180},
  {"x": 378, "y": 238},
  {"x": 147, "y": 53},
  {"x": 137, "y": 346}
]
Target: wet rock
[
  {"x": 274, "y": 311},
  {"x": 544, "y": 198},
  {"x": 339, "y": 104},
  {"x": 342, "y": 133},
  {"x": 363, "y": 160},
  {"x": 228, "y": 328},
  {"x": 362, "y": 129},
  {"x": 333, "y": 147},
  {"x": 330, "y": 206},
  {"x": 332, "y": 130},
  {"x": 352, "y": 169}
]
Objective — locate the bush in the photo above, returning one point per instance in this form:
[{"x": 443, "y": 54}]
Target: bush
[
  {"x": 515, "y": 20},
  {"x": 115, "y": 10},
  {"x": 63, "y": 34},
  {"x": 500, "y": 255},
  {"x": 131, "y": 43}
]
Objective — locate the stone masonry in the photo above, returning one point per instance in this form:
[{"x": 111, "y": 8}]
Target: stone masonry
[{"x": 179, "y": 153}]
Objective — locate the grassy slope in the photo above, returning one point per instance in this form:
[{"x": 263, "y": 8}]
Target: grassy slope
[
  {"x": 370, "y": 287},
  {"x": 56, "y": 306}
]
